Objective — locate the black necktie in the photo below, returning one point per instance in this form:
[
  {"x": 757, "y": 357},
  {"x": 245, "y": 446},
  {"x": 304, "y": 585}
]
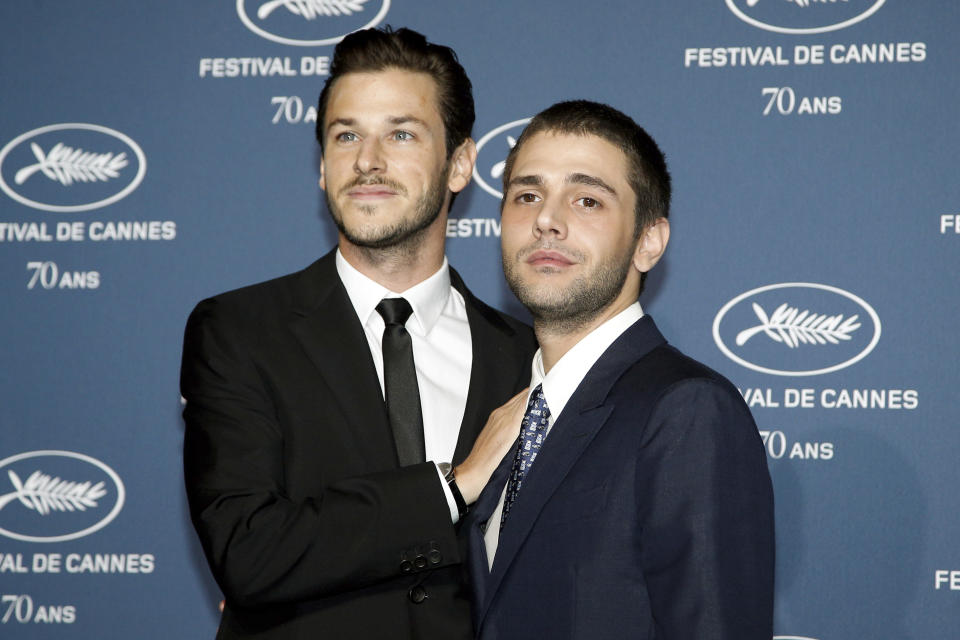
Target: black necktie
[{"x": 400, "y": 382}]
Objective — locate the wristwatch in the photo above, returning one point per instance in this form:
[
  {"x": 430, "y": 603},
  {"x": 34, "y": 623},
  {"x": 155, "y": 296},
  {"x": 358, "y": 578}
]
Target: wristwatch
[{"x": 450, "y": 476}]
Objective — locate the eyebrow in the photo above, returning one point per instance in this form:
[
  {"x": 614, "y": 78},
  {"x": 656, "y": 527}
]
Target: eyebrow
[
  {"x": 591, "y": 181},
  {"x": 406, "y": 120},
  {"x": 526, "y": 181},
  {"x": 346, "y": 122},
  {"x": 394, "y": 120}
]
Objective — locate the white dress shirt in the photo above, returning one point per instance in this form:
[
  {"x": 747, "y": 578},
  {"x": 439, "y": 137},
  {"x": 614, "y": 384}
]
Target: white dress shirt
[
  {"x": 442, "y": 352},
  {"x": 558, "y": 386}
]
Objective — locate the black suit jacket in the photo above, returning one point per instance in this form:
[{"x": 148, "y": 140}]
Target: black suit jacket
[
  {"x": 308, "y": 523},
  {"x": 647, "y": 515}
]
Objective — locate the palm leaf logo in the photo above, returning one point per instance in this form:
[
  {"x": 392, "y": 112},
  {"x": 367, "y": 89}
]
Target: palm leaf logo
[
  {"x": 800, "y": 3},
  {"x": 497, "y": 170},
  {"x": 44, "y": 494},
  {"x": 792, "y": 327},
  {"x": 310, "y": 9},
  {"x": 806, "y": 3},
  {"x": 67, "y": 165}
]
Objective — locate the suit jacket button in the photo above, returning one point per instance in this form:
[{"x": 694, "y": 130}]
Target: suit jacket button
[
  {"x": 420, "y": 562},
  {"x": 417, "y": 594},
  {"x": 435, "y": 556},
  {"x": 406, "y": 566},
  {"x": 483, "y": 528}
]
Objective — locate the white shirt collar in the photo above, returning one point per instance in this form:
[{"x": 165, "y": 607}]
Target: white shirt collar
[
  {"x": 427, "y": 298},
  {"x": 567, "y": 374}
]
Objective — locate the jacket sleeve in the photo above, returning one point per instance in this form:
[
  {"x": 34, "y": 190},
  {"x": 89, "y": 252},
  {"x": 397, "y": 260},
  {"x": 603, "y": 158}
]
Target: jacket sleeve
[
  {"x": 707, "y": 517},
  {"x": 263, "y": 546}
]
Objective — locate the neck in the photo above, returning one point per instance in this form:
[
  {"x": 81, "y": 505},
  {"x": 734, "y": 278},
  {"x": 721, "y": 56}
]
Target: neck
[
  {"x": 402, "y": 265},
  {"x": 556, "y": 338}
]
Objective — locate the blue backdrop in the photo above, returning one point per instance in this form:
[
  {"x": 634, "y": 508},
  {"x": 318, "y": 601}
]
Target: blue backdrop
[{"x": 152, "y": 154}]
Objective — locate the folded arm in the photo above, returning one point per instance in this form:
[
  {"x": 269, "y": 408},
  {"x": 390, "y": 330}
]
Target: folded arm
[{"x": 264, "y": 545}]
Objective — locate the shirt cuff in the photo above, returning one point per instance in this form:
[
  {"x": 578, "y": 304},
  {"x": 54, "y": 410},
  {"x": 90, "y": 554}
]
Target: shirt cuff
[{"x": 451, "y": 503}]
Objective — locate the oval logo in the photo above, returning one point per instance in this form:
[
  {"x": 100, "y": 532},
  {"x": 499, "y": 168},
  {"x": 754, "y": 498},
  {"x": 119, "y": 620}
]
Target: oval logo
[
  {"x": 796, "y": 329},
  {"x": 310, "y": 23},
  {"x": 71, "y": 167},
  {"x": 803, "y": 16},
  {"x": 53, "y": 496},
  {"x": 492, "y": 150}
]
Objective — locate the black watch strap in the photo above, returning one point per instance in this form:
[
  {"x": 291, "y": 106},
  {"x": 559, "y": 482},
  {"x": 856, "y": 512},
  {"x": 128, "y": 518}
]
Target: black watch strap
[{"x": 451, "y": 477}]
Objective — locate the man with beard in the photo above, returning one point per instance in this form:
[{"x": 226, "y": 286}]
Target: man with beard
[
  {"x": 637, "y": 503},
  {"x": 330, "y": 412}
]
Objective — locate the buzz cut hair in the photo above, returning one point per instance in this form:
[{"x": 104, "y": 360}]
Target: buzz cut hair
[{"x": 647, "y": 171}]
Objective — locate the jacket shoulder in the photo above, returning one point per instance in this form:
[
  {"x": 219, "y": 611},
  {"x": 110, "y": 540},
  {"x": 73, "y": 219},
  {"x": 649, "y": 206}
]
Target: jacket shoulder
[
  {"x": 255, "y": 304},
  {"x": 667, "y": 368},
  {"x": 273, "y": 290},
  {"x": 522, "y": 330},
  {"x": 512, "y": 328}
]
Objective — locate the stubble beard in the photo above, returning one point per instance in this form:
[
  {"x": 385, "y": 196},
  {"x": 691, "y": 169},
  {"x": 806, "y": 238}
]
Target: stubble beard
[
  {"x": 402, "y": 238},
  {"x": 566, "y": 310}
]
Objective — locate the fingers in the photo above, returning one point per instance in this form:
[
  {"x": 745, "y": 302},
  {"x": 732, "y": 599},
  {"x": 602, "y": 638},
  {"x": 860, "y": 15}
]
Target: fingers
[
  {"x": 494, "y": 441},
  {"x": 511, "y": 407}
]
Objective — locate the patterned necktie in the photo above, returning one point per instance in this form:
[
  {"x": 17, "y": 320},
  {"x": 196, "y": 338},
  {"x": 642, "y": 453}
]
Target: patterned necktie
[
  {"x": 400, "y": 382},
  {"x": 532, "y": 435}
]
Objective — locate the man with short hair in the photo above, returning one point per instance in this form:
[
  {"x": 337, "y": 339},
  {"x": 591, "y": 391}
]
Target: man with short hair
[
  {"x": 326, "y": 410},
  {"x": 637, "y": 503}
]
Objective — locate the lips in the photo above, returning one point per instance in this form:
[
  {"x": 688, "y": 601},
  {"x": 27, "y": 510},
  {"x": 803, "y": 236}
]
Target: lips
[
  {"x": 372, "y": 188},
  {"x": 548, "y": 258},
  {"x": 371, "y": 192}
]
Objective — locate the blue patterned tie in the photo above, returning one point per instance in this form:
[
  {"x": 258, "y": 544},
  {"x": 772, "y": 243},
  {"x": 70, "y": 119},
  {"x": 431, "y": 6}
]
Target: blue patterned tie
[{"x": 532, "y": 435}]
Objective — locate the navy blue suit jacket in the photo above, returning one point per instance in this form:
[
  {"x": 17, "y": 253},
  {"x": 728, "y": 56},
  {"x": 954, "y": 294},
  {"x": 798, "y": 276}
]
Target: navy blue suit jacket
[{"x": 648, "y": 513}]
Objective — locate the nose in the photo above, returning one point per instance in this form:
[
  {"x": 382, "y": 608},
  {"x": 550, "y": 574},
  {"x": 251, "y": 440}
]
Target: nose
[
  {"x": 369, "y": 157},
  {"x": 551, "y": 220}
]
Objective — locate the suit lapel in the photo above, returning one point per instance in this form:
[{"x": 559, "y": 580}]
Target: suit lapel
[
  {"x": 495, "y": 351},
  {"x": 327, "y": 327},
  {"x": 567, "y": 441},
  {"x": 481, "y": 512},
  {"x": 584, "y": 415}
]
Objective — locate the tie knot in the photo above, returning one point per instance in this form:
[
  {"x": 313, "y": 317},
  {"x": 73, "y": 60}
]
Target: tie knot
[
  {"x": 394, "y": 310},
  {"x": 537, "y": 405}
]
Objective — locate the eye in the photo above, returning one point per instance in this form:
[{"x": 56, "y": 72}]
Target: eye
[
  {"x": 527, "y": 198},
  {"x": 346, "y": 136},
  {"x": 588, "y": 203},
  {"x": 402, "y": 136}
]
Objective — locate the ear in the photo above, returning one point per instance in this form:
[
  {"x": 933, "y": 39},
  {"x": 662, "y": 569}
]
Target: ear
[
  {"x": 323, "y": 175},
  {"x": 461, "y": 166},
  {"x": 651, "y": 245}
]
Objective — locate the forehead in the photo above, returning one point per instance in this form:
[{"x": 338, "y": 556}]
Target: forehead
[
  {"x": 384, "y": 94},
  {"x": 557, "y": 155}
]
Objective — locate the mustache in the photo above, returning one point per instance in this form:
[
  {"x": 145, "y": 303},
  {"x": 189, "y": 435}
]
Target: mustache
[
  {"x": 361, "y": 181},
  {"x": 549, "y": 245}
]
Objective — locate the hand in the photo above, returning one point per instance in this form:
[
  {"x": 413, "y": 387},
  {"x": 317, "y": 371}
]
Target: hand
[{"x": 498, "y": 436}]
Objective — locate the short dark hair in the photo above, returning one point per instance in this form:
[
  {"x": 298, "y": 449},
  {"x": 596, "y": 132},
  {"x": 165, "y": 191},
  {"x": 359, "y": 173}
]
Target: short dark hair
[
  {"x": 380, "y": 49},
  {"x": 646, "y": 165}
]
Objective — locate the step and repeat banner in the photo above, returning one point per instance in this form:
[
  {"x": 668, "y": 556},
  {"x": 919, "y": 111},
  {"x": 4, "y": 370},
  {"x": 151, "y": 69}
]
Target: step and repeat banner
[{"x": 152, "y": 154}]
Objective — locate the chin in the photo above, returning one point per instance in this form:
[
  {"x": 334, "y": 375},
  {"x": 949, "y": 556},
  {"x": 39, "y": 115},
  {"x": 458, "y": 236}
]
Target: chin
[{"x": 534, "y": 295}]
